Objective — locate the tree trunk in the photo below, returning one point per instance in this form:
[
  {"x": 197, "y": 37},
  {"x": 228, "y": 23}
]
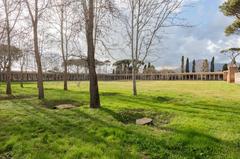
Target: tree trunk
[
  {"x": 134, "y": 82},
  {"x": 78, "y": 83},
  {"x": 9, "y": 56},
  {"x": 39, "y": 64},
  {"x": 94, "y": 93},
  {"x": 65, "y": 77},
  {"x": 0, "y": 76},
  {"x": 21, "y": 83},
  {"x": 133, "y": 55},
  {"x": 8, "y": 80}
]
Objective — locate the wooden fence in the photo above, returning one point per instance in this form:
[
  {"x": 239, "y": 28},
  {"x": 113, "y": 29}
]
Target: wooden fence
[{"x": 32, "y": 76}]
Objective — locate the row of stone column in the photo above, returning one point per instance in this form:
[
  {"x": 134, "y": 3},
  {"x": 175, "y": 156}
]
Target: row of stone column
[{"x": 113, "y": 77}]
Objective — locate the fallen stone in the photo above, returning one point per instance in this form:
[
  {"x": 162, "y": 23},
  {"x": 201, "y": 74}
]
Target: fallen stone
[
  {"x": 65, "y": 106},
  {"x": 144, "y": 121}
]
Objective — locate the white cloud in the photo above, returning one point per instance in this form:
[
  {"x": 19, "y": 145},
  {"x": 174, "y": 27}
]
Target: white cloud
[
  {"x": 212, "y": 47},
  {"x": 203, "y": 41}
]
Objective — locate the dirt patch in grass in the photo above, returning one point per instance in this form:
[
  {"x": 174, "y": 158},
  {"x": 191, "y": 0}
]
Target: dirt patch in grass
[
  {"x": 64, "y": 106},
  {"x": 52, "y": 104},
  {"x": 131, "y": 115},
  {"x": 6, "y": 155},
  {"x": 164, "y": 99}
]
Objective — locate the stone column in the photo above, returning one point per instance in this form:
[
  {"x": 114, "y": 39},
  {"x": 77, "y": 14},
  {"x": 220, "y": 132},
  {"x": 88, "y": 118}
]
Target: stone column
[
  {"x": 225, "y": 74},
  {"x": 232, "y": 69}
]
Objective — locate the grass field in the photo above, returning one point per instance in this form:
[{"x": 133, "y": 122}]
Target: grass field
[{"x": 191, "y": 120}]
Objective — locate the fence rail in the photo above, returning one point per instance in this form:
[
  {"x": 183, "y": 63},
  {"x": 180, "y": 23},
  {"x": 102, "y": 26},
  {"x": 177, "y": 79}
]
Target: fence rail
[{"x": 32, "y": 76}]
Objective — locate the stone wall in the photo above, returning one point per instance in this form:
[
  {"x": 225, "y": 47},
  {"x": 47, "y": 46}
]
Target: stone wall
[
  {"x": 232, "y": 69},
  {"x": 237, "y": 78},
  {"x": 225, "y": 75}
]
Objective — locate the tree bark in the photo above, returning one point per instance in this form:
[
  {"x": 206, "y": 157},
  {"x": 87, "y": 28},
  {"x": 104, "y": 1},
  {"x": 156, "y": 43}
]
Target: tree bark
[
  {"x": 9, "y": 57},
  {"x": 134, "y": 82},
  {"x": 21, "y": 82},
  {"x": 133, "y": 54},
  {"x": 94, "y": 93},
  {"x": 0, "y": 76},
  {"x": 65, "y": 76},
  {"x": 38, "y": 61},
  {"x": 8, "y": 80}
]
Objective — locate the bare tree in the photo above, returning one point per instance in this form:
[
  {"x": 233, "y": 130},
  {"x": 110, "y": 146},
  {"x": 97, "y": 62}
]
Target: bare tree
[
  {"x": 88, "y": 7},
  {"x": 65, "y": 22},
  {"x": 143, "y": 22},
  {"x": 205, "y": 66},
  {"x": 24, "y": 42},
  {"x": 35, "y": 10},
  {"x": 97, "y": 15},
  {"x": 12, "y": 10}
]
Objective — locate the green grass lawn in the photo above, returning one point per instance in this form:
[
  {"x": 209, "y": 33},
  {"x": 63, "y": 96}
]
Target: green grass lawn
[{"x": 191, "y": 120}]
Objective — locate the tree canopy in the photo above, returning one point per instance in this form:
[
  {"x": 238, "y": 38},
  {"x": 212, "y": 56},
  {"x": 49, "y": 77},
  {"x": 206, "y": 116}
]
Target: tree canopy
[
  {"x": 212, "y": 69},
  {"x": 123, "y": 62},
  {"x": 15, "y": 52},
  {"x": 232, "y": 8},
  {"x": 127, "y": 62},
  {"x": 83, "y": 62},
  {"x": 232, "y": 53},
  {"x": 225, "y": 67},
  {"x": 187, "y": 66}
]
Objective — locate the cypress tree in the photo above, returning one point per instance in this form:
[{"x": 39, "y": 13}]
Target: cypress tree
[
  {"x": 187, "y": 66},
  {"x": 149, "y": 65},
  {"x": 194, "y": 66},
  {"x": 212, "y": 65},
  {"x": 145, "y": 69},
  {"x": 182, "y": 65}
]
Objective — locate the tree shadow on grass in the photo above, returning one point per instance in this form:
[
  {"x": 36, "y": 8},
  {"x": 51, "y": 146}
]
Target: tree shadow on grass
[
  {"x": 107, "y": 94},
  {"x": 14, "y": 97},
  {"x": 175, "y": 104},
  {"x": 78, "y": 125},
  {"x": 185, "y": 142},
  {"x": 163, "y": 99},
  {"x": 94, "y": 129},
  {"x": 129, "y": 116}
]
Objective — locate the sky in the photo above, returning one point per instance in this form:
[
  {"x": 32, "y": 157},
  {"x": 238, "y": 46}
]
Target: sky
[{"x": 202, "y": 41}]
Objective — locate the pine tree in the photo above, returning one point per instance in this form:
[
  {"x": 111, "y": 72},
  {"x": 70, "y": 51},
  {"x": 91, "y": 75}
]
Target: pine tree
[
  {"x": 225, "y": 67},
  {"x": 212, "y": 64},
  {"x": 231, "y": 8},
  {"x": 187, "y": 66},
  {"x": 194, "y": 66}
]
